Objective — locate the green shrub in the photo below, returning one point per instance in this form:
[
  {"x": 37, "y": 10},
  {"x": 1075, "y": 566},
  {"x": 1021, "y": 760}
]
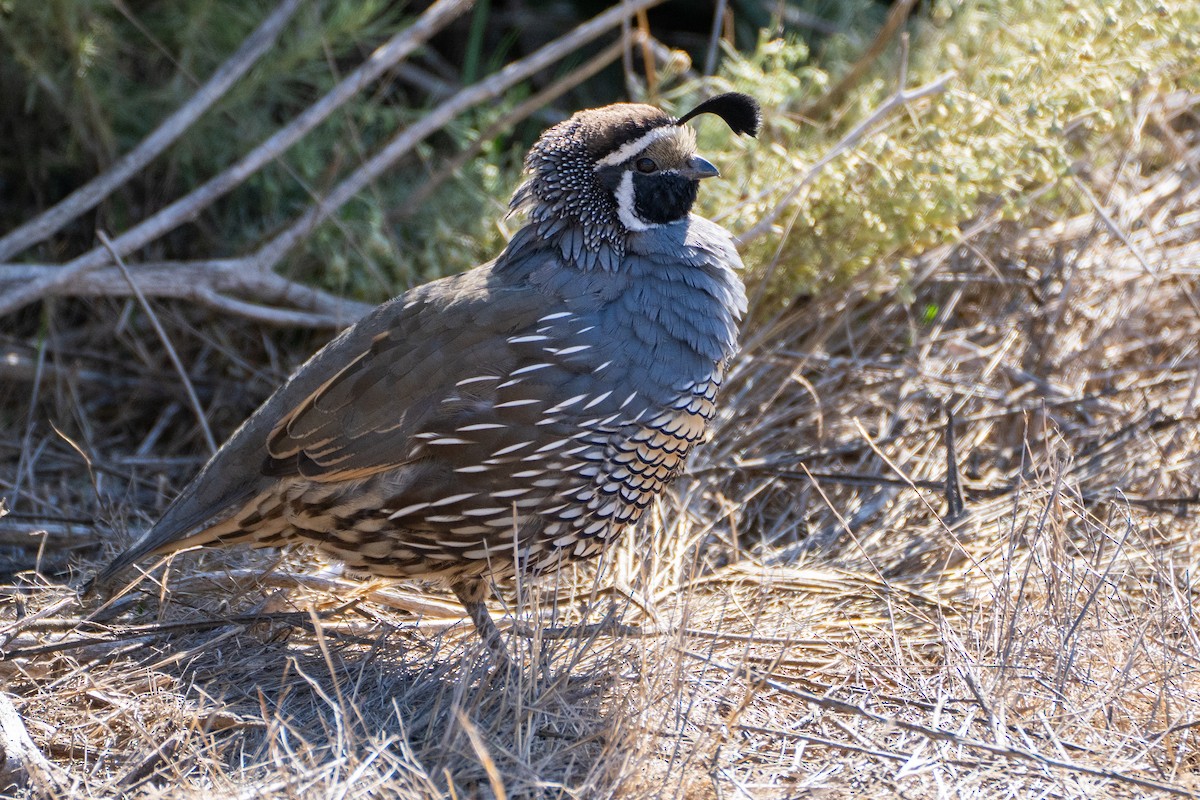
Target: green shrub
[{"x": 1039, "y": 88}]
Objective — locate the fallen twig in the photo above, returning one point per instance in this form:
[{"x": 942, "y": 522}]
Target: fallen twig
[
  {"x": 116, "y": 634},
  {"x": 151, "y": 762},
  {"x": 21, "y": 763}
]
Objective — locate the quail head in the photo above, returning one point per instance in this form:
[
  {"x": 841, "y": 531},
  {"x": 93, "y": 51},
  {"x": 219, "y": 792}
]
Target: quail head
[{"x": 516, "y": 416}]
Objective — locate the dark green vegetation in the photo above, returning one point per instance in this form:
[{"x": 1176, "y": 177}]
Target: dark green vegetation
[{"x": 83, "y": 82}]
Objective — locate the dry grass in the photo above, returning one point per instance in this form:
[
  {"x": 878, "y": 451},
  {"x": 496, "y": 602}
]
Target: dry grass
[{"x": 815, "y": 621}]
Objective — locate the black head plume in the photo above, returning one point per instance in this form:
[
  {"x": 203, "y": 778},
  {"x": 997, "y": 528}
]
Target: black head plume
[{"x": 740, "y": 112}]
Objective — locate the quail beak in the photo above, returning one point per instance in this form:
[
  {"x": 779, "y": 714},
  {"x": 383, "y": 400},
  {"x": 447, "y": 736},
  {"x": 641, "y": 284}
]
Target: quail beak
[{"x": 698, "y": 168}]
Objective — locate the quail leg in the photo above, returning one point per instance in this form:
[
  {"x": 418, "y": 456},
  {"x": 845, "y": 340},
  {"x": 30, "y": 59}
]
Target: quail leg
[{"x": 470, "y": 594}]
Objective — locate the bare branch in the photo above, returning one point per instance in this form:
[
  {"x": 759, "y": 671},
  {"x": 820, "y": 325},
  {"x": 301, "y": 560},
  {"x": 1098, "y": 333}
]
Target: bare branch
[
  {"x": 190, "y": 206},
  {"x": 269, "y": 315},
  {"x": 523, "y": 111},
  {"x": 87, "y": 196},
  {"x": 209, "y": 283}
]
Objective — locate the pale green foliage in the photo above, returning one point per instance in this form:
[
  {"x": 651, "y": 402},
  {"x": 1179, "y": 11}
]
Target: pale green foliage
[{"x": 1039, "y": 87}]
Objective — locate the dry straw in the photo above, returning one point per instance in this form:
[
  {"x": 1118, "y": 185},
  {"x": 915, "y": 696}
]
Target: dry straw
[{"x": 941, "y": 545}]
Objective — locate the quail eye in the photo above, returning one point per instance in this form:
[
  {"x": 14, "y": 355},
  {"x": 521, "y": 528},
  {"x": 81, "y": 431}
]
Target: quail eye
[{"x": 646, "y": 165}]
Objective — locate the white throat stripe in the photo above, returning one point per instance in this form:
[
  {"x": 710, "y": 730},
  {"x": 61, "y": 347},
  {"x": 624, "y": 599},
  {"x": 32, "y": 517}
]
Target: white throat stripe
[
  {"x": 626, "y": 203},
  {"x": 630, "y": 149}
]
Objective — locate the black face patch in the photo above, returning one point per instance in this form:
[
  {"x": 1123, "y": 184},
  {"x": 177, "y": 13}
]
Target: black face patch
[
  {"x": 663, "y": 197},
  {"x": 610, "y": 177}
]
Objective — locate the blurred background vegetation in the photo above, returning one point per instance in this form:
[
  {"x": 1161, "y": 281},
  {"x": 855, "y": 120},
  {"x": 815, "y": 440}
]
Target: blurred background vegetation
[
  {"x": 1038, "y": 88},
  {"x": 84, "y": 82}
]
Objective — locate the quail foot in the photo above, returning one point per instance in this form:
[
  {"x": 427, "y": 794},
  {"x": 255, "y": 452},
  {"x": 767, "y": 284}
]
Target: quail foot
[{"x": 513, "y": 417}]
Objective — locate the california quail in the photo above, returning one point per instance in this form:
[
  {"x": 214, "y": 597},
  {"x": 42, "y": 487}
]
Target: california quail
[{"x": 515, "y": 416}]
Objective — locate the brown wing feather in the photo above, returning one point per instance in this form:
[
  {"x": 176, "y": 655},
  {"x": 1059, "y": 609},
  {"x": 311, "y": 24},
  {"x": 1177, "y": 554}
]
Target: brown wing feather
[
  {"x": 363, "y": 419},
  {"x": 359, "y": 421}
]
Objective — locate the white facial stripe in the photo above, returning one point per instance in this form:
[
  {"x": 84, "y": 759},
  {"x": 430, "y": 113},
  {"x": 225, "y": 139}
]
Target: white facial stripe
[
  {"x": 625, "y": 205},
  {"x": 628, "y": 151}
]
